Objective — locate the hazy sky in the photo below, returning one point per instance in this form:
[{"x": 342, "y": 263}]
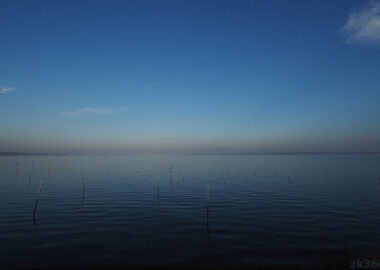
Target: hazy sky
[{"x": 189, "y": 76}]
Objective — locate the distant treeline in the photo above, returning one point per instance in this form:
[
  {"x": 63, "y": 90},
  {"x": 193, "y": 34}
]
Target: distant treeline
[{"x": 28, "y": 154}]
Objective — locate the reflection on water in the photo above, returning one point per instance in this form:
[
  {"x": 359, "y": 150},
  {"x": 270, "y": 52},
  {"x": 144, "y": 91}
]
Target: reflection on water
[
  {"x": 133, "y": 210},
  {"x": 36, "y": 230}
]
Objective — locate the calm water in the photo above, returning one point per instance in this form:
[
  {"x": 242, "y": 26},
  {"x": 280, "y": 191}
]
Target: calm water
[{"x": 268, "y": 210}]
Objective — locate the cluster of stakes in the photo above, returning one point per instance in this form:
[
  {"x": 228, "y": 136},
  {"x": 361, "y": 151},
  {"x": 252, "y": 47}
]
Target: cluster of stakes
[
  {"x": 171, "y": 180},
  {"x": 84, "y": 189}
]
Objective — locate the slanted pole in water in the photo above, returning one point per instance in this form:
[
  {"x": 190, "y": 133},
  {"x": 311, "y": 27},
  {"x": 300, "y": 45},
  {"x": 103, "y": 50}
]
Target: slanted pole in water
[
  {"x": 207, "y": 210},
  {"x": 84, "y": 189},
  {"x": 38, "y": 197},
  {"x": 171, "y": 174},
  {"x": 158, "y": 190},
  {"x": 208, "y": 193},
  {"x": 289, "y": 174}
]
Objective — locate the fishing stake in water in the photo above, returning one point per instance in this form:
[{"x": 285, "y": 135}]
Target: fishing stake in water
[
  {"x": 207, "y": 212},
  {"x": 158, "y": 190},
  {"x": 38, "y": 197},
  {"x": 171, "y": 173},
  {"x": 208, "y": 193},
  {"x": 289, "y": 174}
]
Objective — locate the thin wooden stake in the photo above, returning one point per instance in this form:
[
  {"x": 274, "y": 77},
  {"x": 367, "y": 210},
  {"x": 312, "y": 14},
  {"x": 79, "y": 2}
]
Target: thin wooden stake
[
  {"x": 171, "y": 174},
  {"x": 207, "y": 211},
  {"x": 38, "y": 197},
  {"x": 158, "y": 190},
  {"x": 208, "y": 192}
]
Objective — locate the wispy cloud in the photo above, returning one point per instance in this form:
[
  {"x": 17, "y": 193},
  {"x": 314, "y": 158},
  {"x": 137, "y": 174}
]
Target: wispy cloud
[
  {"x": 124, "y": 109},
  {"x": 95, "y": 110},
  {"x": 6, "y": 90},
  {"x": 147, "y": 85},
  {"x": 88, "y": 110},
  {"x": 69, "y": 113},
  {"x": 364, "y": 26}
]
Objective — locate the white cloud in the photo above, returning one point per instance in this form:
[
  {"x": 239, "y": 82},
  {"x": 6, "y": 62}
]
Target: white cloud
[
  {"x": 87, "y": 110},
  {"x": 7, "y": 90},
  {"x": 94, "y": 110},
  {"x": 364, "y": 25}
]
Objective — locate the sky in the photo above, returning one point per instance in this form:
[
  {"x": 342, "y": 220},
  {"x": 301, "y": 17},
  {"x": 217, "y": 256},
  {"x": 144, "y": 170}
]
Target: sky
[{"x": 189, "y": 76}]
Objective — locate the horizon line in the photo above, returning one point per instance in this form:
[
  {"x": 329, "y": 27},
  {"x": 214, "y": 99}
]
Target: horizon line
[{"x": 8, "y": 153}]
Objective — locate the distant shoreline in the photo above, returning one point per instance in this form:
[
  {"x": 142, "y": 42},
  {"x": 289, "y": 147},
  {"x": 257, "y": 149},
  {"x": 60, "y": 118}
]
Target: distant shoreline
[
  {"x": 292, "y": 153},
  {"x": 28, "y": 154},
  {"x": 194, "y": 154}
]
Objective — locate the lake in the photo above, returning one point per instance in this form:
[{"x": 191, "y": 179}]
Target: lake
[{"x": 189, "y": 210}]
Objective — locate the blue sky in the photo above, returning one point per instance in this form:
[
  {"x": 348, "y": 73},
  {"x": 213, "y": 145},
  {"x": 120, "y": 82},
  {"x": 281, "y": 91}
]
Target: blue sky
[{"x": 189, "y": 76}]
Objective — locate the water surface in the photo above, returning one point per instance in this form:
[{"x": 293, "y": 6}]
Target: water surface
[{"x": 300, "y": 210}]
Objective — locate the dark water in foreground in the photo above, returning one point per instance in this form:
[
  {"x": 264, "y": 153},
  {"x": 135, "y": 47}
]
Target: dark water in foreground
[{"x": 268, "y": 210}]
